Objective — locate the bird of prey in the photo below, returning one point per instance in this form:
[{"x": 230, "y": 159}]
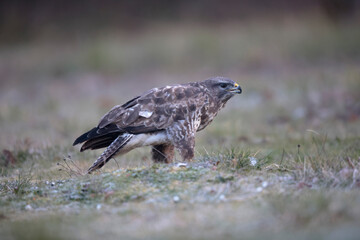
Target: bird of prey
[{"x": 165, "y": 118}]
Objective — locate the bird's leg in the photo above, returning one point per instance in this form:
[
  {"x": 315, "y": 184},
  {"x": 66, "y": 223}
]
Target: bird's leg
[
  {"x": 163, "y": 153},
  {"x": 186, "y": 148},
  {"x": 183, "y": 138}
]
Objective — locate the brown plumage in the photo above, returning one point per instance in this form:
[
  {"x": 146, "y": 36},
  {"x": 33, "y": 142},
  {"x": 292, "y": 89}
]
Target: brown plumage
[{"x": 165, "y": 118}]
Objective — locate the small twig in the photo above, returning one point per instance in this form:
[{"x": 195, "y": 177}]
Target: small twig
[
  {"x": 160, "y": 153},
  {"x": 349, "y": 162},
  {"x": 69, "y": 168},
  {"x": 74, "y": 164},
  {"x": 116, "y": 163},
  {"x": 312, "y": 131},
  {"x": 63, "y": 167},
  {"x": 207, "y": 153},
  {"x": 323, "y": 143},
  {"x": 282, "y": 156},
  {"x": 256, "y": 153},
  {"x": 355, "y": 178},
  {"x": 304, "y": 169},
  {"x": 64, "y": 159}
]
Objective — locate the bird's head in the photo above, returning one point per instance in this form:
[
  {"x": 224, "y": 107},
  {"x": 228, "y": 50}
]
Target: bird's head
[{"x": 222, "y": 88}]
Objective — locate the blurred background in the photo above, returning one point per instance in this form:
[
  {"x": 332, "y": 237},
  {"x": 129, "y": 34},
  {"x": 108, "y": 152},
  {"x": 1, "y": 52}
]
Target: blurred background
[{"x": 63, "y": 64}]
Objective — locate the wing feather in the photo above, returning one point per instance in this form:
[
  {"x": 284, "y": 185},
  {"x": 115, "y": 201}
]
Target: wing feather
[{"x": 163, "y": 106}]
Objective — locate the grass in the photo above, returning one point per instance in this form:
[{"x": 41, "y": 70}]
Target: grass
[
  {"x": 280, "y": 161},
  {"x": 280, "y": 194}
]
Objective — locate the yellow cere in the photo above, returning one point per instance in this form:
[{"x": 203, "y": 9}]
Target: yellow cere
[{"x": 236, "y": 85}]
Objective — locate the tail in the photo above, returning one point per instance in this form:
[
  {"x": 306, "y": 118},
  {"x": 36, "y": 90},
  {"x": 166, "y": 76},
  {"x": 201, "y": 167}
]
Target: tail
[
  {"x": 99, "y": 137},
  {"x": 114, "y": 148}
]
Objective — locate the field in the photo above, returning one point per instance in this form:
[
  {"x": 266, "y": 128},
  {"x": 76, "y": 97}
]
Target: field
[{"x": 281, "y": 160}]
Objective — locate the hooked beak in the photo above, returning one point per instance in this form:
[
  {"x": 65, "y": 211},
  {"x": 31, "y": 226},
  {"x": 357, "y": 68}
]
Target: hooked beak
[{"x": 235, "y": 89}]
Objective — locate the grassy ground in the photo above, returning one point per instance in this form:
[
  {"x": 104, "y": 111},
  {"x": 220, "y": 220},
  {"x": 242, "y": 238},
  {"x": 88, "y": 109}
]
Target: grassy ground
[{"x": 281, "y": 161}]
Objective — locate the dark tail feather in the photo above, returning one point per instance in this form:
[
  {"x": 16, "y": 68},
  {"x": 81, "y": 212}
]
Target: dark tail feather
[
  {"x": 98, "y": 132},
  {"x": 99, "y": 142},
  {"x": 114, "y": 147}
]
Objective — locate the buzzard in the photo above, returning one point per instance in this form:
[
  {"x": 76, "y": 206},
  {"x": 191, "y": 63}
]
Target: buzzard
[{"x": 164, "y": 118}]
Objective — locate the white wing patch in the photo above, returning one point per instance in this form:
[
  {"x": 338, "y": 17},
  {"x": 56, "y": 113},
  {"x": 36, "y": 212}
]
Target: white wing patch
[
  {"x": 145, "y": 114},
  {"x": 197, "y": 123}
]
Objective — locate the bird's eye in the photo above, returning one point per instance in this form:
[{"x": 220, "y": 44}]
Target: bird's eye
[{"x": 223, "y": 85}]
